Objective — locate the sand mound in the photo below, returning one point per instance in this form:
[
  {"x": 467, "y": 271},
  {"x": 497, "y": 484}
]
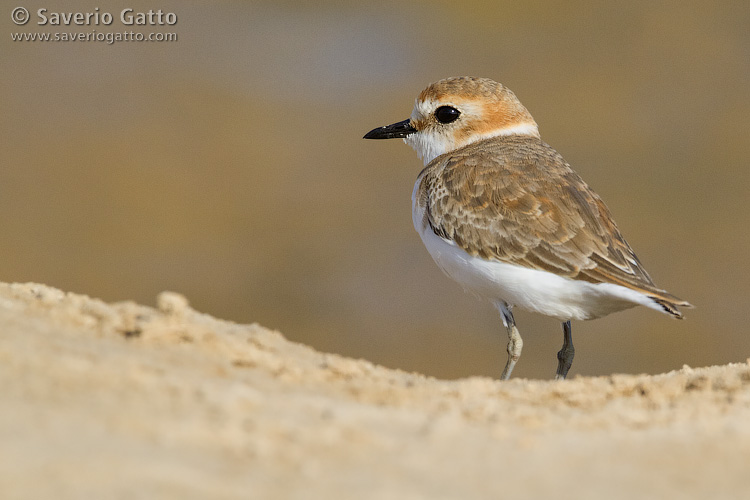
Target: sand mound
[{"x": 127, "y": 401}]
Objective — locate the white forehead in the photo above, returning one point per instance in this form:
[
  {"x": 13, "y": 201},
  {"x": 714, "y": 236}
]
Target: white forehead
[{"x": 425, "y": 107}]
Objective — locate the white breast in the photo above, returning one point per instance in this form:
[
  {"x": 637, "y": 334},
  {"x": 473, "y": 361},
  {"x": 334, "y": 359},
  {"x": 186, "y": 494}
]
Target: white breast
[{"x": 534, "y": 290}]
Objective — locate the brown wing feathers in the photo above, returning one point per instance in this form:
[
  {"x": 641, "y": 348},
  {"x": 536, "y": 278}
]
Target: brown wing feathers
[{"x": 514, "y": 199}]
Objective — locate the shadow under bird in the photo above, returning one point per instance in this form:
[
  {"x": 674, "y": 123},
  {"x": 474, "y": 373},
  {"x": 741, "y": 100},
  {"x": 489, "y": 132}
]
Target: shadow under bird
[{"x": 505, "y": 216}]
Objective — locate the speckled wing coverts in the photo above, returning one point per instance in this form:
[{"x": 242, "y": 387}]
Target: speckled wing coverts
[{"x": 515, "y": 200}]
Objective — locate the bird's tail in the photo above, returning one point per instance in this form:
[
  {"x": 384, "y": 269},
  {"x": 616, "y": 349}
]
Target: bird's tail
[{"x": 669, "y": 304}]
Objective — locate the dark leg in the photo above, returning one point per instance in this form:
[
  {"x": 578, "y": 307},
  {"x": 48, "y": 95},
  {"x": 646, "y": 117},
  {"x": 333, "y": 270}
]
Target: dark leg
[
  {"x": 515, "y": 343},
  {"x": 565, "y": 356}
]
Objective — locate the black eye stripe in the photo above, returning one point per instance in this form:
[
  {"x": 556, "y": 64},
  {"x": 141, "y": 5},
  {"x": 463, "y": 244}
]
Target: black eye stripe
[{"x": 447, "y": 114}]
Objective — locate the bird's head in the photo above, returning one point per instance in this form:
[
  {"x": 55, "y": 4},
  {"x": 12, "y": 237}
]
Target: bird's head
[{"x": 454, "y": 112}]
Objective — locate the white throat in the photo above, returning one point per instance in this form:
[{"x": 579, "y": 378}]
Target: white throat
[{"x": 431, "y": 145}]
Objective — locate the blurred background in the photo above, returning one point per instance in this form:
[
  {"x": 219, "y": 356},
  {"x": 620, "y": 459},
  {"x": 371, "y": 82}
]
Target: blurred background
[{"x": 229, "y": 166}]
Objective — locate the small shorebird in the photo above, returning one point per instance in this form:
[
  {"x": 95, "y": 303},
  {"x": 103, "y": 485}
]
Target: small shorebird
[{"x": 506, "y": 217}]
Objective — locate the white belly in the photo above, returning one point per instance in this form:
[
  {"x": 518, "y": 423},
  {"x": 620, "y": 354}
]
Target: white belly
[{"x": 534, "y": 290}]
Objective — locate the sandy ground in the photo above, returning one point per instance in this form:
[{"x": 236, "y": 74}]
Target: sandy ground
[{"x": 126, "y": 401}]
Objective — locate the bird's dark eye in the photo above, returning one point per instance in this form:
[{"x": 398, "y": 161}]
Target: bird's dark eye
[{"x": 447, "y": 114}]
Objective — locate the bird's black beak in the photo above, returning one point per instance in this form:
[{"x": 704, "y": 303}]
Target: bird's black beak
[{"x": 392, "y": 131}]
